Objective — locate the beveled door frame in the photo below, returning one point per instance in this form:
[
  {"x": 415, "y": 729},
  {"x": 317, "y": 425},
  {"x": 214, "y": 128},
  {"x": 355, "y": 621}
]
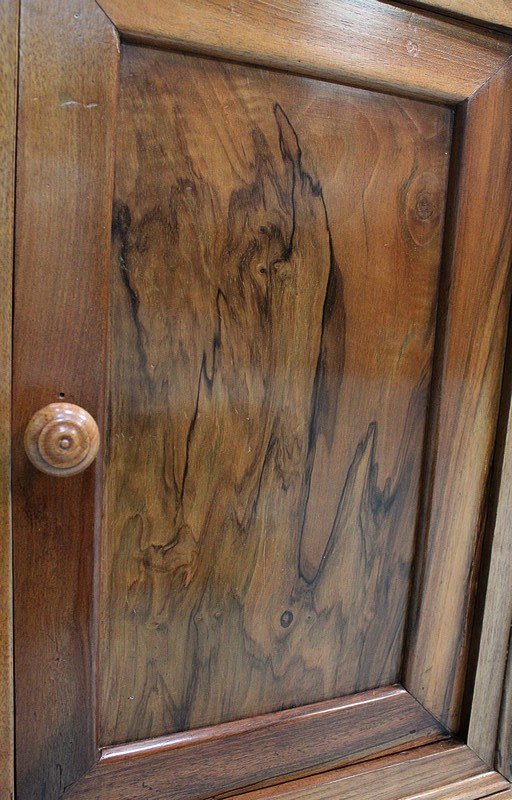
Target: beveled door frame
[{"x": 365, "y": 43}]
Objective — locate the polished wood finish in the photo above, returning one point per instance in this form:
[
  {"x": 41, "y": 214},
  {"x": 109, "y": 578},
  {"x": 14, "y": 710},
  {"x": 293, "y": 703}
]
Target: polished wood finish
[
  {"x": 472, "y": 333},
  {"x": 8, "y": 90},
  {"x": 490, "y": 12},
  {"x": 441, "y": 771},
  {"x": 61, "y": 439},
  {"x": 397, "y": 50},
  {"x": 64, "y": 193},
  {"x": 291, "y": 346},
  {"x": 250, "y": 752}
]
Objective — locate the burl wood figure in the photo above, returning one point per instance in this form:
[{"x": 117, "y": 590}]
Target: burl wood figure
[{"x": 270, "y": 380}]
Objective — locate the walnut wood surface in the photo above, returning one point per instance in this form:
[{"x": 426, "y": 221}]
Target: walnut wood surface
[
  {"x": 494, "y": 12},
  {"x": 398, "y": 50},
  {"x": 250, "y": 752},
  {"x": 8, "y": 82},
  {"x": 64, "y": 195},
  {"x": 444, "y": 770},
  {"x": 271, "y": 342},
  {"x": 465, "y": 402}
]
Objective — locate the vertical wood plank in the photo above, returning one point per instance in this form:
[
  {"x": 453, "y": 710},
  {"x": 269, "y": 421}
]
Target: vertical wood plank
[
  {"x": 465, "y": 401},
  {"x": 8, "y": 89},
  {"x": 504, "y": 749},
  {"x": 496, "y": 619},
  {"x": 68, "y": 68}
]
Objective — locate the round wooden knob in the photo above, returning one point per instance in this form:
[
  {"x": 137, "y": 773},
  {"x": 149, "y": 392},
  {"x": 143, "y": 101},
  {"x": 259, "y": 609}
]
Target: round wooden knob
[{"x": 62, "y": 439}]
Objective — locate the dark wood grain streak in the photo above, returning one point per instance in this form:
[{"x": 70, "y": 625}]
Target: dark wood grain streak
[
  {"x": 397, "y": 50},
  {"x": 68, "y": 66},
  {"x": 466, "y": 400},
  {"x": 445, "y": 770},
  {"x": 253, "y": 752},
  {"x": 271, "y": 340}
]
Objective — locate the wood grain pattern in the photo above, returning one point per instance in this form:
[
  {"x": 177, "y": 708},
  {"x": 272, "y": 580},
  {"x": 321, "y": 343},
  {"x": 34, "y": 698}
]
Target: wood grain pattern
[
  {"x": 494, "y": 12},
  {"x": 396, "y": 50},
  {"x": 68, "y": 64},
  {"x": 8, "y": 83},
  {"x": 271, "y": 343},
  {"x": 298, "y": 741},
  {"x": 445, "y": 770},
  {"x": 496, "y": 616},
  {"x": 472, "y": 341}
]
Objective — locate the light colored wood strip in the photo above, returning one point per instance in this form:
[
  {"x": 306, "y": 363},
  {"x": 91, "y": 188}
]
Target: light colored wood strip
[
  {"x": 68, "y": 84},
  {"x": 396, "y": 50},
  {"x": 497, "y": 621},
  {"x": 445, "y": 770},
  {"x": 504, "y": 750},
  {"x": 495, "y": 12},
  {"x": 8, "y": 84},
  {"x": 465, "y": 402}
]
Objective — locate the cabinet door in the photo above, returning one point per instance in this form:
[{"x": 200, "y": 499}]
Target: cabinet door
[{"x": 266, "y": 250}]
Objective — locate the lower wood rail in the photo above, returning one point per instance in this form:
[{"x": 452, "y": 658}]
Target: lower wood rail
[
  {"x": 226, "y": 758},
  {"x": 442, "y": 771}
]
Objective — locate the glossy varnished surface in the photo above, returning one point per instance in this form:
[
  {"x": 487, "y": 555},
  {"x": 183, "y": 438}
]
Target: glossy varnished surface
[
  {"x": 273, "y": 306},
  {"x": 214, "y": 761}
]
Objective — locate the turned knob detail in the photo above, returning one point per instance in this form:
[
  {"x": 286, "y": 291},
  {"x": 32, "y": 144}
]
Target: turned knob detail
[{"x": 62, "y": 439}]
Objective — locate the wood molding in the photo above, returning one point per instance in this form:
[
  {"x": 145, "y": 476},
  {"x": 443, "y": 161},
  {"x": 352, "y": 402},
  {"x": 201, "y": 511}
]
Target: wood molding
[
  {"x": 472, "y": 333},
  {"x": 68, "y": 64},
  {"x": 8, "y": 98},
  {"x": 441, "y": 61},
  {"x": 444, "y": 770},
  {"x": 490, "y": 12},
  {"x": 303, "y": 740}
]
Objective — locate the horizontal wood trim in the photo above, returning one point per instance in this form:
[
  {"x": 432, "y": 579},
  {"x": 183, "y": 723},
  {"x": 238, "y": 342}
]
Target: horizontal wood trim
[
  {"x": 493, "y": 12},
  {"x": 474, "y": 304},
  {"x": 300, "y": 741},
  {"x": 397, "y": 50},
  {"x": 441, "y": 771}
]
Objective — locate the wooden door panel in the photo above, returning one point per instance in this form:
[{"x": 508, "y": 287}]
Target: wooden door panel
[
  {"x": 302, "y": 366},
  {"x": 271, "y": 344}
]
